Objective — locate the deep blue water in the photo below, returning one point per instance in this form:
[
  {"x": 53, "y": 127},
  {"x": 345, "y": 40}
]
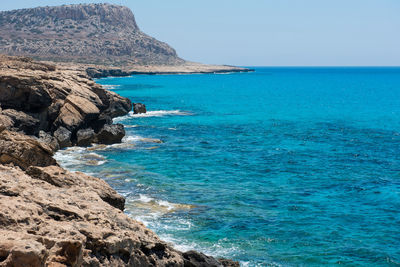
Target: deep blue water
[{"x": 283, "y": 166}]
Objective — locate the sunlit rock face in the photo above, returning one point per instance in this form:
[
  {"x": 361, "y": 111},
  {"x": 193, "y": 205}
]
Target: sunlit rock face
[{"x": 88, "y": 33}]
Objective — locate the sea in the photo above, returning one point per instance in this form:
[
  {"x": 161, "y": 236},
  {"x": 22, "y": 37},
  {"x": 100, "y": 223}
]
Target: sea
[{"x": 289, "y": 166}]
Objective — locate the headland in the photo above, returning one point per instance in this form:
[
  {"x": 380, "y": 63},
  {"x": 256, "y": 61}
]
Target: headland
[
  {"x": 53, "y": 217},
  {"x": 50, "y": 216}
]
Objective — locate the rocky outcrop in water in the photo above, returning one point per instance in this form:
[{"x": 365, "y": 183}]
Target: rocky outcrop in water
[
  {"x": 101, "y": 71},
  {"x": 139, "y": 108},
  {"x": 90, "y": 33},
  {"x": 53, "y": 217}
]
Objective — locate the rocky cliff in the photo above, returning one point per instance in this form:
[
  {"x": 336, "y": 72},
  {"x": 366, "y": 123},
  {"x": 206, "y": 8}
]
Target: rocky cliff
[
  {"x": 50, "y": 216},
  {"x": 89, "y": 33},
  {"x": 62, "y": 106}
]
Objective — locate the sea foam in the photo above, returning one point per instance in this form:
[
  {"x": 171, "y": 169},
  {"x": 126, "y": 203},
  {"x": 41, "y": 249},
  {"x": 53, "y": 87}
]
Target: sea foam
[{"x": 154, "y": 113}]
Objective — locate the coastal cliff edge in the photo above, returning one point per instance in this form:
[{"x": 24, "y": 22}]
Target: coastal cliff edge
[{"x": 53, "y": 217}]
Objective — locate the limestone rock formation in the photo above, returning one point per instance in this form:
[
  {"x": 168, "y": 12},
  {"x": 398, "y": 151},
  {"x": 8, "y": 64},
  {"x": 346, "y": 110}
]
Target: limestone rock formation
[
  {"x": 91, "y": 33},
  {"x": 61, "y": 178},
  {"x": 71, "y": 226},
  {"x": 52, "y": 217},
  {"x": 24, "y": 151},
  {"x": 22, "y": 121},
  {"x": 101, "y": 71},
  {"x": 40, "y": 97}
]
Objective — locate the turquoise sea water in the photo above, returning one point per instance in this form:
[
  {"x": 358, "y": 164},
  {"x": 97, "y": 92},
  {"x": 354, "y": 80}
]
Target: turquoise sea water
[{"x": 283, "y": 166}]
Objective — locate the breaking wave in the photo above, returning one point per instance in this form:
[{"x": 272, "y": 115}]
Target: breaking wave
[{"x": 154, "y": 113}]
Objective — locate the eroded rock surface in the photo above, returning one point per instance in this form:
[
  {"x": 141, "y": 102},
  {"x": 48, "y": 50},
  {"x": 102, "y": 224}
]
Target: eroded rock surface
[
  {"x": 38, "y": 97},
  {"x": 71, "y": 225},
  {"x": 22, "y": 121},
  {"x": 52, "y": 217},
  {"x": 24, "y": 151}
]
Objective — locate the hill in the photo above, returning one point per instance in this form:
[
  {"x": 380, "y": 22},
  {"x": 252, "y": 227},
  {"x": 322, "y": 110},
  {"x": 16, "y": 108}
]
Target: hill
[{"x": 88, "y": 33}]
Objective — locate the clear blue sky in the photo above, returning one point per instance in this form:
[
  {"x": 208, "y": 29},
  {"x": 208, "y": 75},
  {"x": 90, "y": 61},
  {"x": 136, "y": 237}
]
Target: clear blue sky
[{"x": 268, "y": 32}]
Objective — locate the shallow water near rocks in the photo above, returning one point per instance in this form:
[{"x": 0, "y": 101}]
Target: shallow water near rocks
[{"x": 281, "y": 167}]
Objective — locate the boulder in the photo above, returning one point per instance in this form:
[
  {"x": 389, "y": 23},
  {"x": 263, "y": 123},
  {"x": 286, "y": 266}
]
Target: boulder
[
  {"x": 63, "y": 137},
  {"x": 229, "y": 263},
  {"x": 86, "y": 107},
  {"x": 49, "y": 140},
  {"x": 111, "y": 134},
  {"x": 115, "y": 104},
  {"x": 118, "y": 106},
  {"x": 198, "y": 259},
  {"x": 22, "y": 121},
  {"x": 77, "y": 112},
  {"x": 85, "y": 137},
  {"x": 139, "y": 108},
  {"x": 24, "y": 151},
  {"x": 69, "y": 117},
  {"x": 100, "y": 122}
]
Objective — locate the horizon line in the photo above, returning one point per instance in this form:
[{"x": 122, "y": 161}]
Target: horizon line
[{"x": 316, "y": 66}]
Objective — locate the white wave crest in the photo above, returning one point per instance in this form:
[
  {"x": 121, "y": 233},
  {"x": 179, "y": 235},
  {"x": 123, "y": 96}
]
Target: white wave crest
[
  {"x": 132, "y": 138},
  {"x": 128, "y": 142},
  {"x": 154, "y": 113},
  {"x": 131, "y": 126},
  {"x": 219, "y": 249},
  {"x": 74, "y": 156},
  {"x": 111, "y": 86},
  {"x": 160, "y": 113},
  {"x": 154, "y": 208},
  {"x": 144, "y": 198}
]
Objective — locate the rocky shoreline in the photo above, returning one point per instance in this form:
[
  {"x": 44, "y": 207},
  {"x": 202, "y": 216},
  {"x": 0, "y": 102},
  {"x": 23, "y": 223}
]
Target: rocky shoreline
[
  {"x": 103, "y": 71},
  {"x": 48, "y": 215}
]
